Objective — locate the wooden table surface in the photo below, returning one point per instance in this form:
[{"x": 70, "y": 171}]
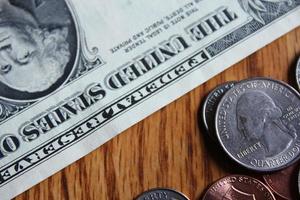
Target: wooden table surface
[{"x": 169, "y": 148}]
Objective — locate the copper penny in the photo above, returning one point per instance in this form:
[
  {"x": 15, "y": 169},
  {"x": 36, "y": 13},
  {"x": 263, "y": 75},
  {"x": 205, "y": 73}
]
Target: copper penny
[
  {"x": 238, "y": 187},
  {"x": 284, "y": 182}
]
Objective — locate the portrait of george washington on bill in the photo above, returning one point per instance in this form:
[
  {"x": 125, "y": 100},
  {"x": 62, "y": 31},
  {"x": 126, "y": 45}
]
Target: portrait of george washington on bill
[{"x": 36, "y": 44}]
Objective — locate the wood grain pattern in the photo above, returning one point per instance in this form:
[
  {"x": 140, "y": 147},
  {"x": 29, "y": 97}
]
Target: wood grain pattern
[{"x": 168, "y": 149}]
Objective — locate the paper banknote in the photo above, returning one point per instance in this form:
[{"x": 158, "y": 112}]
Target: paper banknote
[{"x": 74, "y": 74}]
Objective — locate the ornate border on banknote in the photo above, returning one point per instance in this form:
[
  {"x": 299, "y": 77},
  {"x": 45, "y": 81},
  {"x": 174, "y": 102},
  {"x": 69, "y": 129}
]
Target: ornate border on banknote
[{"x": 274, "y": 10}]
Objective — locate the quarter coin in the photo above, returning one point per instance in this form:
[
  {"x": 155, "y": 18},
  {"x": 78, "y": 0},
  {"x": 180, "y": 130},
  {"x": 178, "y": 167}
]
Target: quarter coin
[
  {"x": 238, "y": 187},
  {"x": 210, "y": 107},
  {"x": 258, "y": 124},
  {"x": 162, "y": 194},
  {"x": 298, "y": 74},
  {"x": 279, "y": 181}
]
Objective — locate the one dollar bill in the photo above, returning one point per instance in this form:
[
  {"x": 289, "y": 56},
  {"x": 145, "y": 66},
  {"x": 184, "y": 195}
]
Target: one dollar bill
[{"x": 74, "y": 74}]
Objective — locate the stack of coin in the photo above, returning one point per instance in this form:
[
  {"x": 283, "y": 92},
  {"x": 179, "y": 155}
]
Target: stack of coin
[
  {"x": 257, "y": 124},
  {"x": 210, "y": 106},
  {"x": 281, "y": 185}
]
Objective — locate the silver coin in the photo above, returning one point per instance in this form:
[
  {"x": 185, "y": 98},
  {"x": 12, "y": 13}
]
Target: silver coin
[
  {"x": 162, "y": 194},
  {"x": 298, "y": 74},
  {"x": 258, "y": 124},
  {"x": 210, "y": 107}
]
